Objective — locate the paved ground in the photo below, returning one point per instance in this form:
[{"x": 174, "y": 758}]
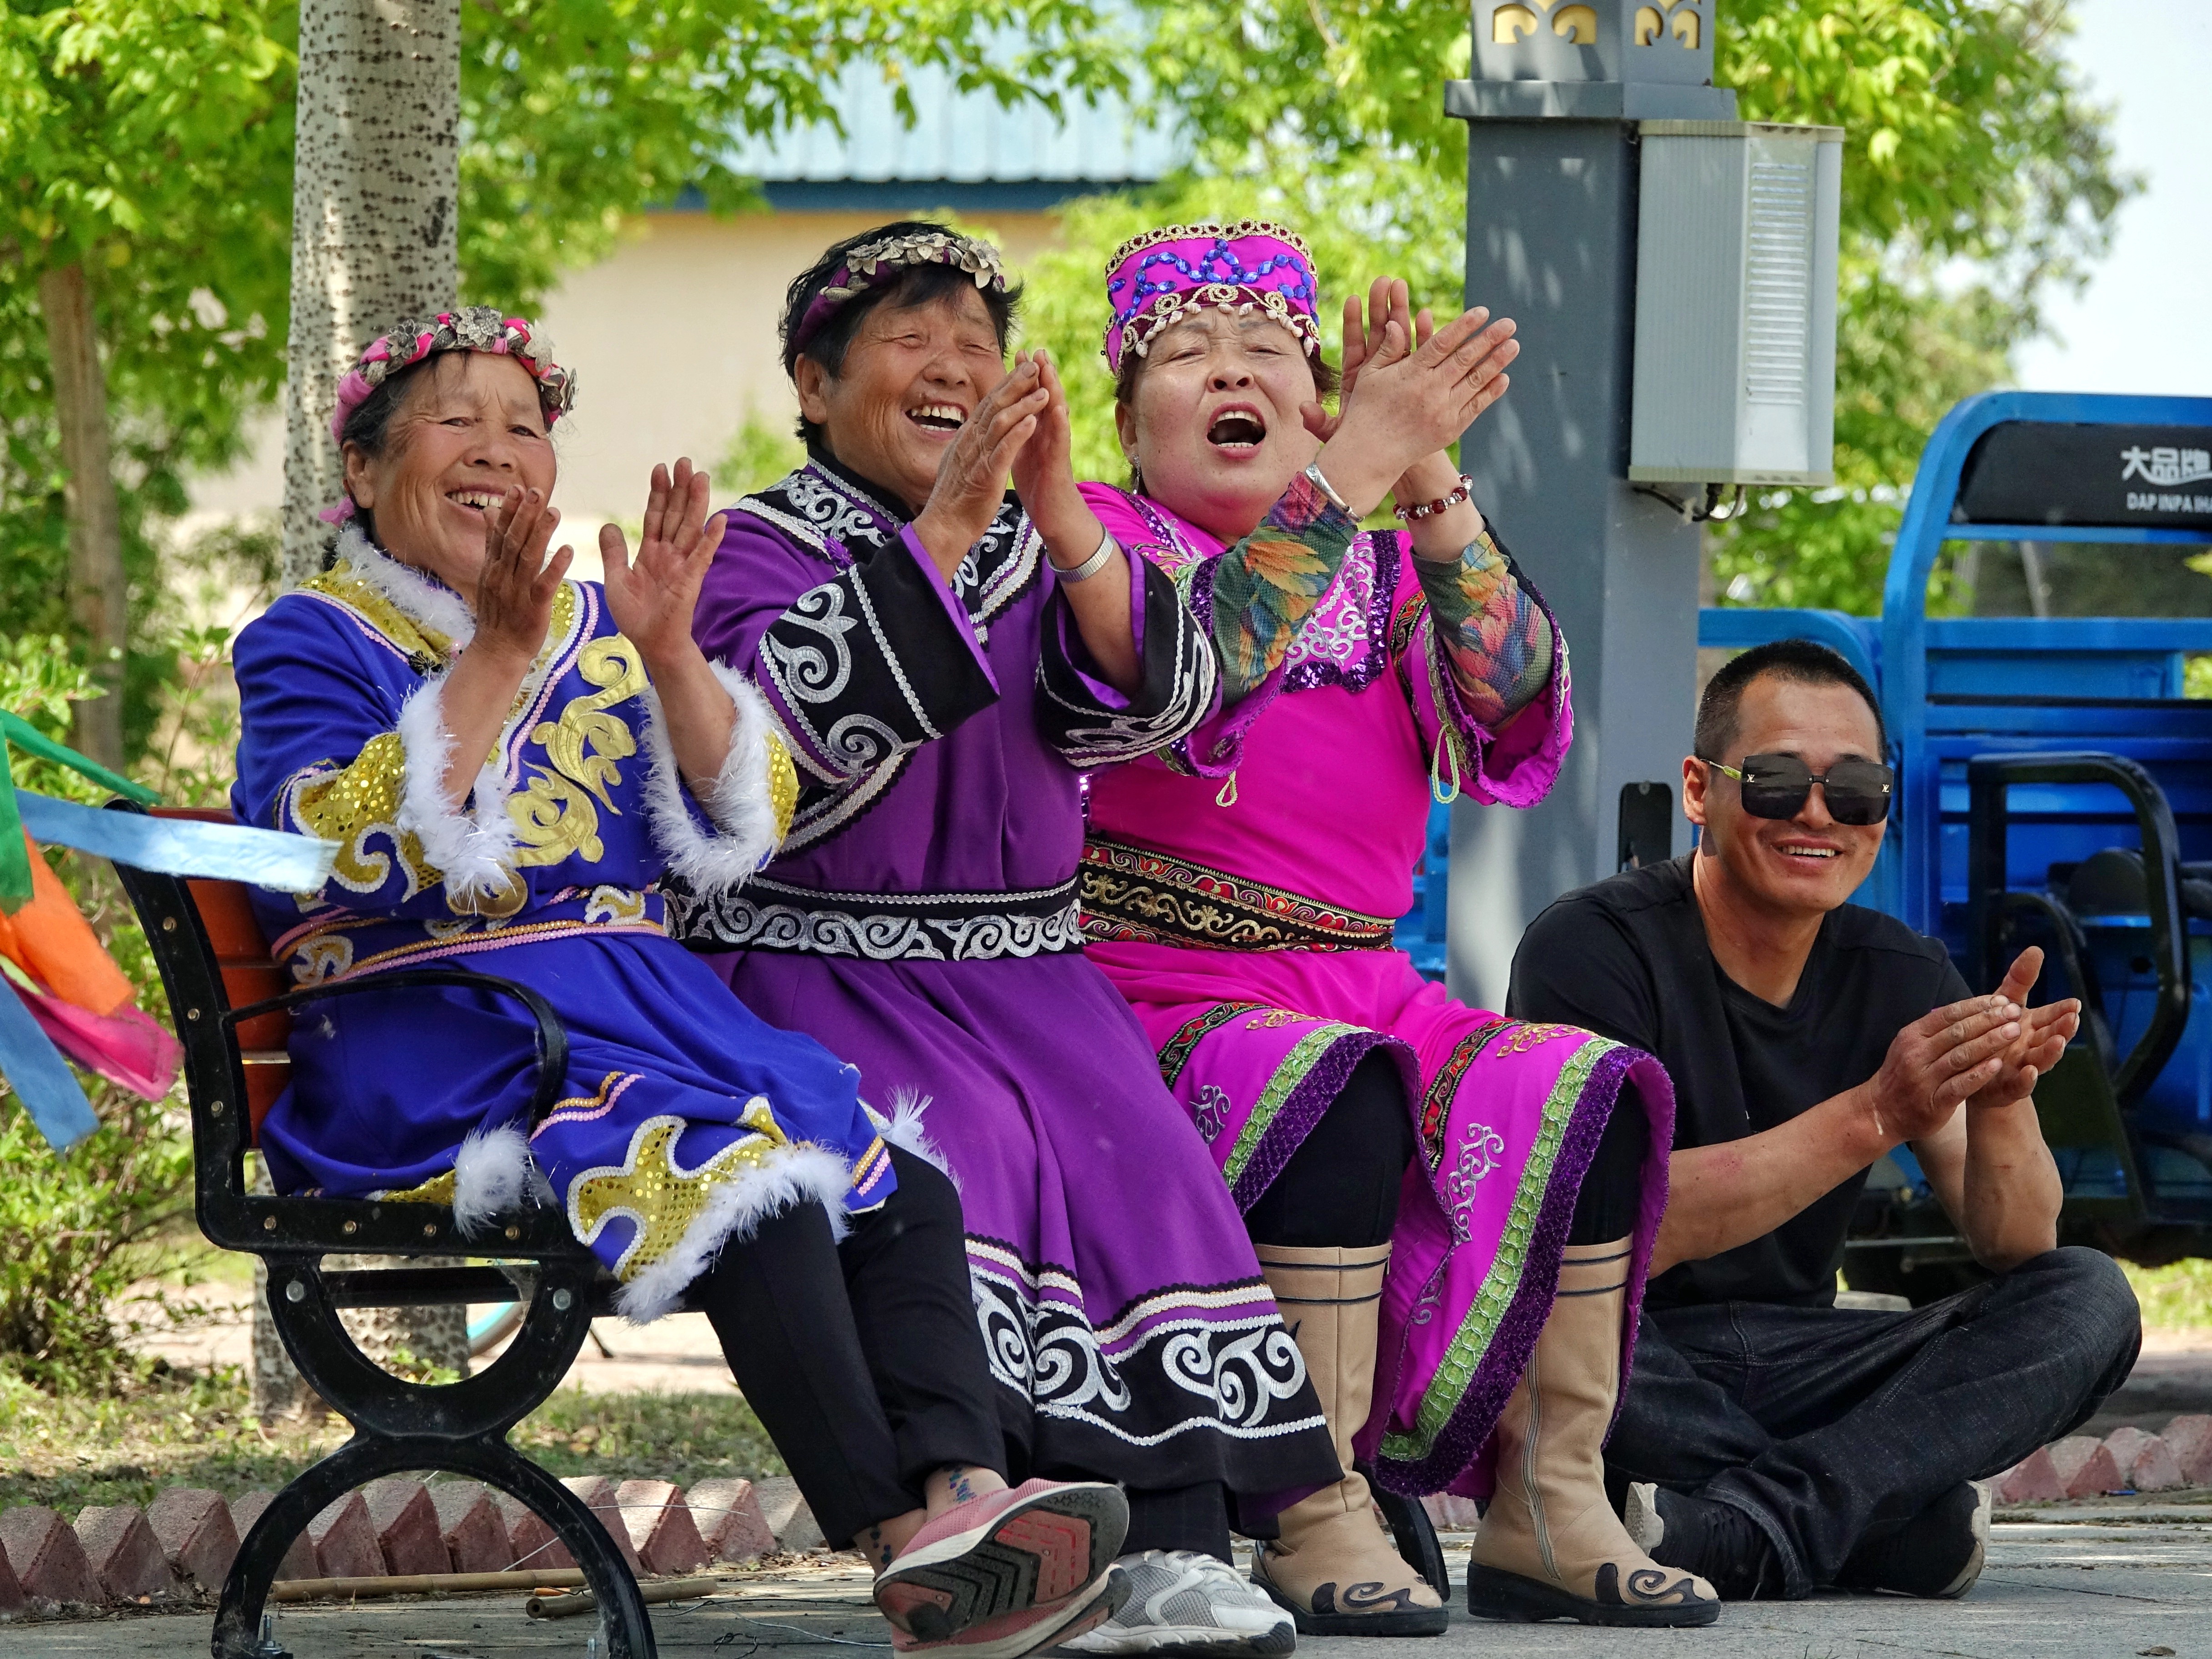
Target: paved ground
[{"x": 2104, "y": 1581}]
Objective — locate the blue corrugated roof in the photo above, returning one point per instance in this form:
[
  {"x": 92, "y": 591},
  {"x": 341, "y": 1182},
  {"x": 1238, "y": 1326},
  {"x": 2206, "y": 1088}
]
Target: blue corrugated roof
[{"x": 961, "y": 138}]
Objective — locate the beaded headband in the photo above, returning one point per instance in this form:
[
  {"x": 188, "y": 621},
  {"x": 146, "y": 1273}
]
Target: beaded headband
[
  {"x": 880, "y": 264},
  {"x": 1156, "y": 279}
]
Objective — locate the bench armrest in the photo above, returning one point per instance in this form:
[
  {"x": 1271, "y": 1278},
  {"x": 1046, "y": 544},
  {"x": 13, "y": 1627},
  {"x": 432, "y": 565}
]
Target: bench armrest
[{"x": 551, "y": 1036}]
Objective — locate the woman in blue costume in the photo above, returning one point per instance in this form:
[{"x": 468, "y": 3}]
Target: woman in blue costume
[{"x": 511, "y": 764}]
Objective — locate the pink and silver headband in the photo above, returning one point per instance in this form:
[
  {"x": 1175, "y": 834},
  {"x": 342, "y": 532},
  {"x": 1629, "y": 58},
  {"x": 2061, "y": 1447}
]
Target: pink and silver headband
[
  {"x": 472, "y": 328},
  {"x": 879, "y": 264},
  {"x": 1156, "y": 279}
]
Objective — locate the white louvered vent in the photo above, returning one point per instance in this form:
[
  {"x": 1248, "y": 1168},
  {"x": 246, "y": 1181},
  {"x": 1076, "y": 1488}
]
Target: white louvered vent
[
  {"x": 1735, "y": 303},
  {"x": 1777, "y": 282}
]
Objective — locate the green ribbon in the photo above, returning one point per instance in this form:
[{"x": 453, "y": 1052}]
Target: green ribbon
[{"x": 15, "y": 857}]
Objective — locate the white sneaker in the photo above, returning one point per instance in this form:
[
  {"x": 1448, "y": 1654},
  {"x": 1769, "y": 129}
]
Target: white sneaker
[{"x": 1193, "y": 1603}]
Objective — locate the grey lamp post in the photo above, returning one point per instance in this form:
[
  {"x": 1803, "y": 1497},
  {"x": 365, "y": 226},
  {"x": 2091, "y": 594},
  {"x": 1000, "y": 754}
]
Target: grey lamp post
[{"x": 1576, "y": 114}]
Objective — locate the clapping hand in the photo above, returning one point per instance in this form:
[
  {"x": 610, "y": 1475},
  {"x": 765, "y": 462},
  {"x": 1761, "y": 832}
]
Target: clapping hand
[
  {"x": 971, "y": 479},
  {"x": 652, "y": 598},
  {"x": 2044, "y": 1034},
  {"x": 515, "y": 588}
]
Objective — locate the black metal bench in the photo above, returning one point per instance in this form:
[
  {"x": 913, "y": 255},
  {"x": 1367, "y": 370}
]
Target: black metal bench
[{"x": 233, "y": 1015}]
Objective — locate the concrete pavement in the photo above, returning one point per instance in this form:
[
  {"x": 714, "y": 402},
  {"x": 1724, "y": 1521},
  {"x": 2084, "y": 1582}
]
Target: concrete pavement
[{"x": 2108, "y": 1580}]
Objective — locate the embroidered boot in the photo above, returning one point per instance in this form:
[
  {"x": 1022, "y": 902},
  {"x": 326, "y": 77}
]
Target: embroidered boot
[
  {"x": 1334, "y": 1568},
  {"x": 1550, "y": 1545}
]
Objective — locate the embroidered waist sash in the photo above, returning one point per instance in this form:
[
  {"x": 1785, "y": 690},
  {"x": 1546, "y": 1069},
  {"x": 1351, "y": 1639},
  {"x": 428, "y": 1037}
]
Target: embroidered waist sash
[
  {"x": 333, "y": 945},
  {"x": 1141, "y": 896},
  {"x": 774, "y": 916}
]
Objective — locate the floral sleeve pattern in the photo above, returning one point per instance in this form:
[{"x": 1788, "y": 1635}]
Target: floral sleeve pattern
[
  {"x": 1496, "y": 635},
  {"x": 1252, "y": 597}
]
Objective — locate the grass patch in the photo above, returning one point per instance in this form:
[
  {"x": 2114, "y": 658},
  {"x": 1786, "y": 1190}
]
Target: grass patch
[
  {"x": 2178, "y": 1296},
  {"x": 168, "y": 1427}
]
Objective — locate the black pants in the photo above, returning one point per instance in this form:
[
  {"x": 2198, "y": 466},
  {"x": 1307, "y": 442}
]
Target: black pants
[
  {"x": 1339, "y": 1189},
  {"x": 862, "y": 1359},
  {"x": 1824, "y": 1424}
]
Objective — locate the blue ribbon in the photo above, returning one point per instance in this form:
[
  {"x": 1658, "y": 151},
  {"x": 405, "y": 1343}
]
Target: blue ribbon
[
  {"x": 42, "y": 1080},
  {"x": 180, "y": 846}
]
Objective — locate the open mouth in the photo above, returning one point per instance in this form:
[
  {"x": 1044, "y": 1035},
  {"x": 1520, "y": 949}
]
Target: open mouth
[
  {"x": 1238, "y": 428},
  {"x": 477, "y": 501},
  {"x": 945, "y": 418}
]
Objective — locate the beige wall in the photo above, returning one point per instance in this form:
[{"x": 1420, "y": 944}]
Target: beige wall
[{"x": 672, "y": 340}]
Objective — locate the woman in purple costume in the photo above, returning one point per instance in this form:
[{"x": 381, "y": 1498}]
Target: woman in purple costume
[
  {"x": 944, "y": 671},
  {"x": 1446, "y": 1201}
]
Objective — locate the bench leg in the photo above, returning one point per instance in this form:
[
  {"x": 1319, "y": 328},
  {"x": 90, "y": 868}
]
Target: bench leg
[{"x": 366, "y": 1458}]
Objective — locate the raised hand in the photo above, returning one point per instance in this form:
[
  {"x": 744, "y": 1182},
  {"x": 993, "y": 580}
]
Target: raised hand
[
  {"x": 1044, "y": 472},
  {"x": 515, "y": 588},
  {"x": 652, "y": 598},
  {"x": 1938, "y": 1062},
  {"x": 1389, "y": 300},
  {"x": 2045, "y": 1032},
  {"x": 971, "y": 479},
  {"x": 1414, "y": 398}
]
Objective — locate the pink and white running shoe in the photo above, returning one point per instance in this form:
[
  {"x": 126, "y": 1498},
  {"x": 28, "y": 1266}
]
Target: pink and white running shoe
[
  {"x": 1032, "y": 1629},
  {"x": 1041, "y": 1545}
]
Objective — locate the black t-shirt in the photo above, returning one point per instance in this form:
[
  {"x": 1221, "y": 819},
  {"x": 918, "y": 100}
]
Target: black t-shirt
[{"x": 1627, "y": 959}]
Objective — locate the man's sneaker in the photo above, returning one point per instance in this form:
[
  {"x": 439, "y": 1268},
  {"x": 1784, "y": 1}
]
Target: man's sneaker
[
  {"x": 1717, "y": 1542},
  {"x": 1018, "y": 1634},
  {"x": 1033, "y": 1545},
  {"x": 1195, "y": 1604},
  {"x": 1938, "y": 1554}
]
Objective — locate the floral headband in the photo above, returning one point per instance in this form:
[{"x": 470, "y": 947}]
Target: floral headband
[
  {"x": 880, "y": 264},
  {"x": 472, "y": 328},
  {"x": 1156, "y": 279}
]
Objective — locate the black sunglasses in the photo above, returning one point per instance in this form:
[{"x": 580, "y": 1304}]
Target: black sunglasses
[{"x": 1779, "y": 786}]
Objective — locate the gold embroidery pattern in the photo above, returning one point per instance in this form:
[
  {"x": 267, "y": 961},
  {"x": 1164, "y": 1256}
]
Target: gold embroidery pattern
[
  {"x": 614, "y": 904},
  {"x": 782, "y": 784},
  {"x": 555, "y": 816},
  {"x": 321, "y": 959},
  {"x": 425, "y": 649},
  {"x": 359, "y": 804},
  {"x": 1140, "y": 896},
  {"x": 438, "y": 1190},
  {"x": 658, "y": 1194}
]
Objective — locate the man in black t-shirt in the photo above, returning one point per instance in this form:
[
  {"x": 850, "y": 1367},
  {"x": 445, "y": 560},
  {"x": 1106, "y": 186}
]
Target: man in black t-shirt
[{"x": 1769, "y": 1440}]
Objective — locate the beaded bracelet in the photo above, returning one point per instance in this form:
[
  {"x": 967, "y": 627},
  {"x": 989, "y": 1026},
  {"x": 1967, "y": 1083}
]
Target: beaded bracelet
[{"x": 1421, "y": 510}]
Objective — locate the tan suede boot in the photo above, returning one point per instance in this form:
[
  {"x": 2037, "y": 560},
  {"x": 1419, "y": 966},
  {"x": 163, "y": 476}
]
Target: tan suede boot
[
  {"x": 1335, "y": 1569},
  {"x": 1551, "y": 1547}
]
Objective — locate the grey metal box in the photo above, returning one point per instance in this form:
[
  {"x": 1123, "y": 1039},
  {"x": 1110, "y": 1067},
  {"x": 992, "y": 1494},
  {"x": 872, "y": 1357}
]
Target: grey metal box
[{"x": 1735, "y": 303}]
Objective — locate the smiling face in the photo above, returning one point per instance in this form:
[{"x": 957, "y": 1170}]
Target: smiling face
[
  {"x": 912, "y": 375},
  {"x": 1213, "y": 423},
  {"x": 468, "y": 428},
  {"x": 1798, "y": 867}
]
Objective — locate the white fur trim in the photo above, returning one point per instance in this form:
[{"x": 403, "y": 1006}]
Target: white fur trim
[
  {"x": 903, "y": 1129},
  {"x": 738, "y": 802},
  {"x": 787, "y": 1177},
  {"x": 474, "y": 850},
  {"x": 414, "y": 595},
  {"x": 491, "y": 1172}
]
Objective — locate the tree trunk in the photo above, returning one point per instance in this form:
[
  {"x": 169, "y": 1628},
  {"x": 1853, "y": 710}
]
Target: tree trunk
[
  {"x": 376, "y": 179},
  {"x": 98, "y": 597},
  {"x": 376, "y": 176}
]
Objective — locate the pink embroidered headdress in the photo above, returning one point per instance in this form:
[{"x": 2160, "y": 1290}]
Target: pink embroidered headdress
[
  {"x": 1157, "y": 279},
  {"x": 472, "y": 328}
]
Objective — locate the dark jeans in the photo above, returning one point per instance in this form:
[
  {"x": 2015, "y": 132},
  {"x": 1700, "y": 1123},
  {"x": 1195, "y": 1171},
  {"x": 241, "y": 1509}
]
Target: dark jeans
[{"x": 1824, "y": 1422}]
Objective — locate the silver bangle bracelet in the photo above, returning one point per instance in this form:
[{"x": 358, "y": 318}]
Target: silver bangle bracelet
[
  {"x": 1091, "y": 566},
  {"x": 1320, "y": 483}
]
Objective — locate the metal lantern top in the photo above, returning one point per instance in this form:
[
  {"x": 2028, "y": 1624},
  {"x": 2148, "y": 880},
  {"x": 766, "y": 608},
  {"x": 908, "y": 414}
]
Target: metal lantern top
[{"x": 1632, "y": 59}]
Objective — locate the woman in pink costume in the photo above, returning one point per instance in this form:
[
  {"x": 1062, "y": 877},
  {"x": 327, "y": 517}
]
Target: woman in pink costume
[{"x": 1454, "y": 1216}]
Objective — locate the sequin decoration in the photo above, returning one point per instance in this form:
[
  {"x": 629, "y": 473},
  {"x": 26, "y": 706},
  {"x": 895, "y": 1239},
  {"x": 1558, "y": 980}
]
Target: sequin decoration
[
  {"x": 782, "y": 784},
  {"x": 438, "y": 1190},
  {"x": 656, "y": 1193},
  {"x": 356, "y": 806}
]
